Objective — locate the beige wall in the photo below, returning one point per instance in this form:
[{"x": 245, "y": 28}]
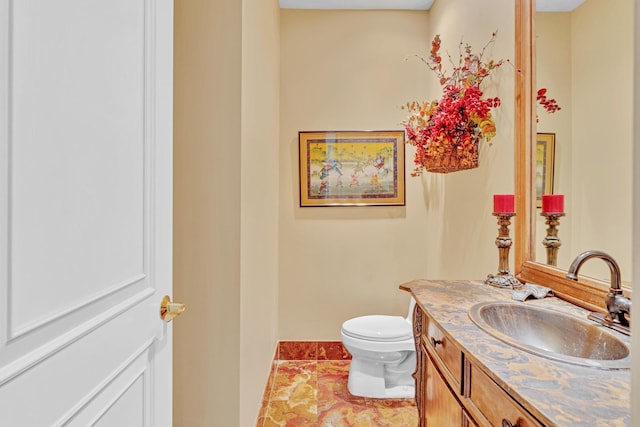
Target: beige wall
[
  {"x": 346, "y": 70},
  {"x": 259, "y": 197},
  {"x": 586, "y": 59},
  {"x": 605, "y": 113},
  {"x": 553, "y": 43},
  {"x": 226, "y": 171},
  {"x": 460, "y": 226},
  {"x": 207, "y": 214}
]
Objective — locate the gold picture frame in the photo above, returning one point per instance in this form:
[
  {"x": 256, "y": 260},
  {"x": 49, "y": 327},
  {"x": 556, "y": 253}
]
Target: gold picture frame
[
  {"x": 545, "y": 164},
  {"x": 352, "y": 168}
]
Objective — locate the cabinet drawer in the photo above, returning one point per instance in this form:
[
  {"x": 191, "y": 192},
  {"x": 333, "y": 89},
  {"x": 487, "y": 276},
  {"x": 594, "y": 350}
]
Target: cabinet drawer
[
  {"x": 436, "y": 340},
  {"x": 494, "y": 403}
]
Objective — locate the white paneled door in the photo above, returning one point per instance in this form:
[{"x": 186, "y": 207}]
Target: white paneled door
[{"x": 85, "y": 212}]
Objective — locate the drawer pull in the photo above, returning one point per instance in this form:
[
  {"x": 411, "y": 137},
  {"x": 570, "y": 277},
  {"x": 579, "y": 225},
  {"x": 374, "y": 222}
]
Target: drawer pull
[
  {"x": 507, "y": 423},
  {"x": 435, "y": 342}
]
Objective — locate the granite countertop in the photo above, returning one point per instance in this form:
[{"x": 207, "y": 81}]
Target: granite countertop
[{"x": 557, "y": 393}]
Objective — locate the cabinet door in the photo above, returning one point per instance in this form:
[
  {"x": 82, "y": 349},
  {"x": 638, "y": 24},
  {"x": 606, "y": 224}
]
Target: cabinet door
[{"x": 441, "y": 408}]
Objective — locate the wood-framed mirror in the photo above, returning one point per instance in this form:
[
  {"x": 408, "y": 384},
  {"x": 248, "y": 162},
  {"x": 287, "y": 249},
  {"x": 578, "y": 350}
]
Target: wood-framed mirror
[{"x": 587, "y": 292}]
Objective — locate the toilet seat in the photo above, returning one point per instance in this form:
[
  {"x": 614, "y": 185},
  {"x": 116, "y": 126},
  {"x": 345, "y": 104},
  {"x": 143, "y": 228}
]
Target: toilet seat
[{"x": 379, "y": 328}]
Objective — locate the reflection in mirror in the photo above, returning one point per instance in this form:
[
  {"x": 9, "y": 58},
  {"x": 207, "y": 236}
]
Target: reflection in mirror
[{"x": 584, "y": 58}]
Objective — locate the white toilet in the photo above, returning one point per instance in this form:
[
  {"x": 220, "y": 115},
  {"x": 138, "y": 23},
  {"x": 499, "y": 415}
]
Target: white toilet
[{"x": 383, "y": 355}]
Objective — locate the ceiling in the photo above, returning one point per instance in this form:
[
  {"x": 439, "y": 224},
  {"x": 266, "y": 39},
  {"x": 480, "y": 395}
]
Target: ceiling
[
  {"x": 557, "y": 5},
  {"x": 356, "y": 4},
  {"x": 541, "y": 5}
]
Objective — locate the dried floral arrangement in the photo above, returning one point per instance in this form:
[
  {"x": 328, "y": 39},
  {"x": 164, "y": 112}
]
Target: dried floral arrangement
[{"x": 446, "y": 131}]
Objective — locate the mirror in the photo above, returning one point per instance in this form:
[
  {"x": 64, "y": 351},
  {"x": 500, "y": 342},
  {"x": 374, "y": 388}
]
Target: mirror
[
  {"x": 587, "y": 292},
  {"x": 584, "y": 57}
]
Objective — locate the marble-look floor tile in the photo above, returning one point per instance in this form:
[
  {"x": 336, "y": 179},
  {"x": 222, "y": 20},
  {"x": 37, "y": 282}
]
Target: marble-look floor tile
[
  {"x": 298, "y": 350},
  {"x": 295, "y": 381},
  {"x": 289, "y": 413},
  {"x": 315, "y": 393},
  {"x": 332, "y": 350}
]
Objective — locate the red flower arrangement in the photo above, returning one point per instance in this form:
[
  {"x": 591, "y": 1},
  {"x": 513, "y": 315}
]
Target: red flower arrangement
[
  {"x": 549, "y": 104},
  {"x": 446, "y": 131}
]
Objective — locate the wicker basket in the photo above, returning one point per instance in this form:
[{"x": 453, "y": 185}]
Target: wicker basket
[{"x": 452, "y": 161}]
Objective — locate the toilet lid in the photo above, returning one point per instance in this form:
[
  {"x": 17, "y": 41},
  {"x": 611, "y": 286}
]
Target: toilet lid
[{"x": 378, "y": 328}]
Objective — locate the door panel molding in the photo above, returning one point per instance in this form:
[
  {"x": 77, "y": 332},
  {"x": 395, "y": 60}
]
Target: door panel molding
[
  {"x": 42, "y": 353},
  {"x": 128, "y": 393},
  {"x": 72, "y": 308},
  {"x": 106, "y": 394}
]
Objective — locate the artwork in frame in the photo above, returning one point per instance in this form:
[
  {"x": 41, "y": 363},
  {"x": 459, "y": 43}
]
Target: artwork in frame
[
  {"x": 545, "y": 159},
  {"x": 352, "y": 168}
]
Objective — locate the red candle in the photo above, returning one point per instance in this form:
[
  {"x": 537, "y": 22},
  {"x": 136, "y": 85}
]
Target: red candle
[
  {"x": 553, "y": 203},
  {"x": 503, "y": 203}
]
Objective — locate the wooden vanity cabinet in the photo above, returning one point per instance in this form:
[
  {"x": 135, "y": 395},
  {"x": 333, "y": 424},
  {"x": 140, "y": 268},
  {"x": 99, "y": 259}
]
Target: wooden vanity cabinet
[{"x": 451, "y": 391}]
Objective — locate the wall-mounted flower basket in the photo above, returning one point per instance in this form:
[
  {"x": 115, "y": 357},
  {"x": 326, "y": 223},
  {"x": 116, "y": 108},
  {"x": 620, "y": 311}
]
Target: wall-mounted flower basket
[{"x": 447, "y": 131}]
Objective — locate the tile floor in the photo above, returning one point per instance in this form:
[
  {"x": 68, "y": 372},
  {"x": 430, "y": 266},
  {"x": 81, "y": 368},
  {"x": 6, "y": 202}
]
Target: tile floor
[{"x": 308, "y": 387}]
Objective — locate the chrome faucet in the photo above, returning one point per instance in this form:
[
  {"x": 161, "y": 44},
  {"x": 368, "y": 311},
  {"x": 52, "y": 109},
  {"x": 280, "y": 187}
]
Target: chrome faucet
[{"x": 617, "y": 304}]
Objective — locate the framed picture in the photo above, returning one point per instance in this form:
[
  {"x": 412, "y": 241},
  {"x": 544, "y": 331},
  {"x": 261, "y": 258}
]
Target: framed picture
[
  {"x": 351, "y": 168},
  {"x": 545, "y": 157}
]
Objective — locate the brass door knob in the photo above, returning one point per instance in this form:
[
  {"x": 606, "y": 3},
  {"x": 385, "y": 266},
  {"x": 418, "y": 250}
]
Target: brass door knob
[{"x": 169, "y": 310}]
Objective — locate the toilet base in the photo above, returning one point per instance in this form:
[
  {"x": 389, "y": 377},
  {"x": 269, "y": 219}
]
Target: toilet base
[{"x": 371, "y": 379}]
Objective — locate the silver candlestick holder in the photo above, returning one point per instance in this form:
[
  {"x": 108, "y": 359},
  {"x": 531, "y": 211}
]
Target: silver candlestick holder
[
  {"x": 504, "y": 278},
  {"x": 552, "y": 241}
]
